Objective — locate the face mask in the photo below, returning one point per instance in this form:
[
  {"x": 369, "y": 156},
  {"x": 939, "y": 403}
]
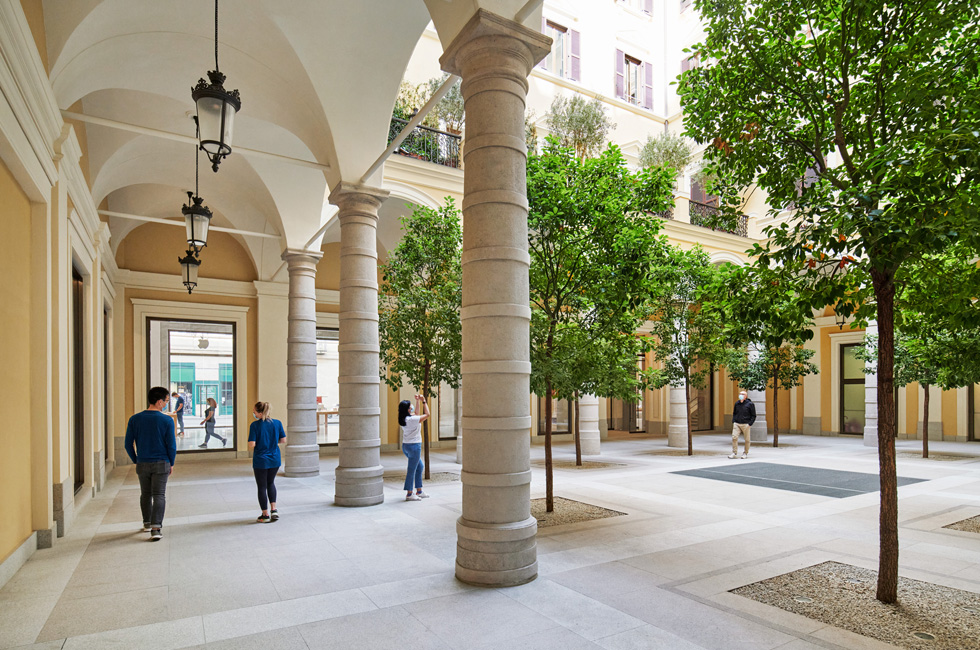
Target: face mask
[{"x": 255, "y": 415}]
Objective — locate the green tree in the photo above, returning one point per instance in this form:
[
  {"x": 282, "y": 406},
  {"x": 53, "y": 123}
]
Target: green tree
[
  {"x": 418, "y": 305},
  {"x": 579, "y": 124},
  {"x": 764, "y": 314},
  {"x": 666, "y": 150},
  {"x": 864, "y": 117},
  {"x": 686, "y": 335},
  {"x": 592, "y": 243}
]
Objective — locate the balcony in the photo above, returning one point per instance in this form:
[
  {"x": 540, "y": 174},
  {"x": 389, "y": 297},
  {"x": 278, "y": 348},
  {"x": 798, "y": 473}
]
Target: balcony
[
  {"x": 424, "y": 143},
  {"x": 702, "y": 214}
]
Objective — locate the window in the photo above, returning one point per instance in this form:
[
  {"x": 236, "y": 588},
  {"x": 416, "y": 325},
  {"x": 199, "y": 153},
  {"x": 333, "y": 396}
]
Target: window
[
  {"x": 700, "y": 195},
  {"x": 560, "y": 416},
  {"x": 327, "y": 386},
  {"x": 563, "y": 59},
  {"x": 646, "y": 6},
  {"x": 851, "y": 391},
  {"x": 685, "y": 4},
  {"x": 78, "y": 375},
  {"x": 196, "y": 360},
  {"x": 448, "y": 405},
  {"x": 690, "y": 61},
  {"x": 634, "y": 80}
]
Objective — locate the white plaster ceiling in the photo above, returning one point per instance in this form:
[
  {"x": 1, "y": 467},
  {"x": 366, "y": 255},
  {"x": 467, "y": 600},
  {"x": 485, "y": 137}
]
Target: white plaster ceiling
[{"x": 318, "y": 79}]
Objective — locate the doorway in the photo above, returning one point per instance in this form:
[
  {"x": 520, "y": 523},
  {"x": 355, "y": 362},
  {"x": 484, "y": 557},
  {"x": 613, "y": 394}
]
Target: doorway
[{"x": 78, "y": 376}]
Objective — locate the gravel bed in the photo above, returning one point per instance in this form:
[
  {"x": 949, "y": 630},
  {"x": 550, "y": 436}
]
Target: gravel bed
[
  {"x": 586, "y": 464},
  {"x": 971, "y": 525},
  {"x": 436, "y": 477},
  {"x": 568, "y": 511},
  {"x": 844, "y": 596}
]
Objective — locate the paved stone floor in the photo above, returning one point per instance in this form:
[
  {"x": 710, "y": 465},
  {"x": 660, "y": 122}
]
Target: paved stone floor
[{"x": 382, "y": 577}]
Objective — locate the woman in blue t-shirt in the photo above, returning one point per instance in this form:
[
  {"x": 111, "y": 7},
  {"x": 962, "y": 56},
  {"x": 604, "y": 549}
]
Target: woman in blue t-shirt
[
  {"x": 411, "y": 434},
  {"x": 264, "y": 436}
]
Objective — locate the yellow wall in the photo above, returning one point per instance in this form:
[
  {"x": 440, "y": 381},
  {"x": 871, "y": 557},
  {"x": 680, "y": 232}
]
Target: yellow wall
[
  {"x": 155, "y": 248},
  {"x": 949, "y": 413},
  {"x": 912, "y": 409},
  {"x": 34, "y": 11},
  {"x": 328, "y": 269},
  {"x": 15, "y": 326},
  {"x": 825, "y": 361}
]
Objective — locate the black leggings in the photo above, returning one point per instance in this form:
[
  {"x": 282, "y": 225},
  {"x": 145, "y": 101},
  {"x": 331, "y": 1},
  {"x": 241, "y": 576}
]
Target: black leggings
[{"x": 266, "y": 480}]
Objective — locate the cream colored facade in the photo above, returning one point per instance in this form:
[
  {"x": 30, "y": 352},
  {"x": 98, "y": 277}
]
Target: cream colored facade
[{"x": 96, "y": 147}]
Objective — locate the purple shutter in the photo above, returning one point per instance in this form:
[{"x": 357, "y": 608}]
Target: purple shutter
[
  {"x": 648, "y": 85},
  {"x": 576, "y": 58},
  {"x": 648, "y": 6},
  {"x": 543, "y": 63},
  {"x": 620, "y": 74}
]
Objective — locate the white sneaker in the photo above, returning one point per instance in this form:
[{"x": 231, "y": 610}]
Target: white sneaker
[
  {"x": 745, "y": 455},
  {"x": 733, "y": 455},
  {"x": 422, "y": 495},
  {"x": 413, "y": 497}
]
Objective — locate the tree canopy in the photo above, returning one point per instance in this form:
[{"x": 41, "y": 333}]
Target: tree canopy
[{"x": 579, "y": 124}]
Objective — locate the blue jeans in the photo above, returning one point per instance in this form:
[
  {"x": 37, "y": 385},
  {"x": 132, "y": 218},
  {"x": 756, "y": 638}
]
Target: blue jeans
[
  {"x": 153, "y": 491},
  {"x": 180, "y": 420},
  {"x": 413, "y": 451}
]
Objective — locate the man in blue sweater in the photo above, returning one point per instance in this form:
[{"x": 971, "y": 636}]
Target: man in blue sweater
[{"x": 152, "y": 433}]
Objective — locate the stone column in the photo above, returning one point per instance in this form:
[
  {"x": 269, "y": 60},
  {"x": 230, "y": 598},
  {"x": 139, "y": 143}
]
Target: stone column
[
  {"x": 588, "y": 431},
  {"x": 496, "y": 532},
  {"x": 302, "y": 457},
  {"x": 760, "y": 430},
  {"x": 871, "y": 397},
  {"x": 359, "y": 480},
  {"x": 677, "y": 417}
]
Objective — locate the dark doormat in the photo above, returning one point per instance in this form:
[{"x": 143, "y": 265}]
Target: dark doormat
[{"x": 808, "y": 480}]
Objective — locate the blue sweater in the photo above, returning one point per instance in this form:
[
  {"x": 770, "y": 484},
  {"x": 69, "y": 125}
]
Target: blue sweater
[
  {"x": 266, "y": 435},
  {"x": 153, "y": 434}
]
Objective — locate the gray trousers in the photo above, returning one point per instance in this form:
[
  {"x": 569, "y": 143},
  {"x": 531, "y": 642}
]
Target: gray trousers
[{"x": 153, "y": 491}]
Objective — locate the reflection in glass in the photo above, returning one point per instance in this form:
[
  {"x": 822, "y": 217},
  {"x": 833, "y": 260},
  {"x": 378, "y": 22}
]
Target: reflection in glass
[{"x": 197, "y": 361}]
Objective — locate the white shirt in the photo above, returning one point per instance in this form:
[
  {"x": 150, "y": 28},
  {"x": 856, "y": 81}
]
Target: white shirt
[{"x": 412, "y": 431}]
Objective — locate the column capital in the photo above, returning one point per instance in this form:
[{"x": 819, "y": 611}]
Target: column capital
[
  {"x": 488, "y": 24},
  {"x": 344, "y": 191},
  {"x": 301, "y": 257}
]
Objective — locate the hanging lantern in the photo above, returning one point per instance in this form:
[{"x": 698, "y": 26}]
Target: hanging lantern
[
  {"x": 188, "y": 267},
  {"x": 216, "y": 109},
  {"x": 197, "y": 219}
]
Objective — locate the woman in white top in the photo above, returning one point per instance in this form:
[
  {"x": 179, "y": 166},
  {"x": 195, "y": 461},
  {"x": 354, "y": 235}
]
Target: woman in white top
[{"x": 411, "y": 431}]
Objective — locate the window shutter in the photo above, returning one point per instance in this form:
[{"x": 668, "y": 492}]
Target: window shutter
[
  {"x": 620, "y": 74},
  {"x": 648, "y": 6},
  {"x": 543, "y": 63},
  {"x": 576, "y": 59},
  {"x": 648, "y": 85}
]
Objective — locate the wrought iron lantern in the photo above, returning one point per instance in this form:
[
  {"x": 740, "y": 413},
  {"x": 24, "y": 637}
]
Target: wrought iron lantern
[
  {"x": 188, "y": 266},
  {"x": 216, "y": 109}
]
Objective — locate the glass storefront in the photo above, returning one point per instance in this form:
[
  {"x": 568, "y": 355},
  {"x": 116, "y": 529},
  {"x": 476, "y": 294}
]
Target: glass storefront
[
  {"x": 327, "y": 386},
  {"x": 196, "y": 360},
  {"x": 851, "y": 391}
]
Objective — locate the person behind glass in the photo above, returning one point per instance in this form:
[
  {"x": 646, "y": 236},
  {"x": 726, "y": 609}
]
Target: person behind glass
[
  {"x": 264, "y": 436},
  {"x": 152, "y": 446},
  {"x": 179, "y": 412},
  {"x": 208, "y": 423},
  {"x": 411, "y": 431}
]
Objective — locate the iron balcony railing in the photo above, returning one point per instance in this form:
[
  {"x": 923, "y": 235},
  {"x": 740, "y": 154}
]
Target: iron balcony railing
[
  {"x": 425, "y": 143},
  {"x": 703, "y": 214}
]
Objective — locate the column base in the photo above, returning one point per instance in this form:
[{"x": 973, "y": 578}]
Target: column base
[
  {"x": 301, "y": 461},
  {"x": 496, "y": 555},
  {"x": 759, "y": 431},
  {"x": 357, "y": 487},
  {"x": 677, "y": 435}
]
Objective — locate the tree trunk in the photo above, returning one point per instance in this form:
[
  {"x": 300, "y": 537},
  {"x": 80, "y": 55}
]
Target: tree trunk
[
  {"x": 884, "y": 288},
  {"x": 578, "y": 437},
  {"x": 425, "y": 425},
  {"x": 687, "y": 402},
  {"x": 925, "y": 423},
  {"x": 549, "y": 481},
  {"x": 775, "y": 408}
]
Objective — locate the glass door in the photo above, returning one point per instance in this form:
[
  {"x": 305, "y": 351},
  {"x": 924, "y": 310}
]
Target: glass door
[
  {"x": 851, "y": 391},
  {"x": 327, "y": 386}
]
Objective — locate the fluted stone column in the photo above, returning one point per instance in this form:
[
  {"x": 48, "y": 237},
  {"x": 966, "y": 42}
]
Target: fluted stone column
[
  {"x": 302, "y": 457},
  {"x": 588, "y": 429},
  {"x": 871, "y": 397},
  {"x": 677, "y": 417},
  {"x": 496, "y": 532},
  {"x": 359, "y": 473}
]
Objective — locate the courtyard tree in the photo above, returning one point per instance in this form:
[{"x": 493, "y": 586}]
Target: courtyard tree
[
  {"x": 669, "y": 150},
  {"x": 418, "y": 305},
  {"x": 579, "y": 124},
  {"x": 592, "y": 241},
  {"x": 686, "y": 333},
  {"x": 771, "y": 320},
  {"x": 863, "y": 119}
]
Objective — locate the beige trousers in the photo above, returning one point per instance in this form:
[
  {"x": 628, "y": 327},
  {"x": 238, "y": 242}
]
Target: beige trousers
[{"x": 746, "y": 433}]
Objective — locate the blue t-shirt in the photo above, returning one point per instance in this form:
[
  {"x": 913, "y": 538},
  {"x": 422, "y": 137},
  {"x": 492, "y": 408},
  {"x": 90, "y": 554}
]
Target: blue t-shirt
[
  {"x": 152, "y": 433},
  {"x": 266, "y": 435},
  {"x": 178, "y": 407}
]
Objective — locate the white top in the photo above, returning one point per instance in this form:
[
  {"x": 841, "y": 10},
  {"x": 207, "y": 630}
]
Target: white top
[{"x": 412, "y": 431}]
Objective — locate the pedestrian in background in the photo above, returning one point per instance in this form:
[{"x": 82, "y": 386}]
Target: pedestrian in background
[{"x": 264, "y": 436}]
